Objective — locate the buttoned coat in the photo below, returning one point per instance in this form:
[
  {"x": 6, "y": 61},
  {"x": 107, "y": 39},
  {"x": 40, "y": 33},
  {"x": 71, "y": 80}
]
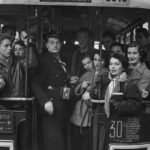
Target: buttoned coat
[
  {"x": 140, "y": 76},
  {"x": 49, "y": 77},
  {"x": 81, "y": 106}
]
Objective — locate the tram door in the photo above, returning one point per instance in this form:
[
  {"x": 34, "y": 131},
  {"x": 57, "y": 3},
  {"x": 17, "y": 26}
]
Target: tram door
[
  {"x": 16, "y": 113},
  {"x": 16, "y": 126}
]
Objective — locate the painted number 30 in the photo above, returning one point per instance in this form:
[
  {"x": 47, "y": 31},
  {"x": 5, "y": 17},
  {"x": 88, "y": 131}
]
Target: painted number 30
[{"x": 116, "y": 129}]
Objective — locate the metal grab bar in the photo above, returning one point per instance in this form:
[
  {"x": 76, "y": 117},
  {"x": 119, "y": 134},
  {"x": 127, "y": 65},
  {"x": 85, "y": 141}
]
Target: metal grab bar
[
  {"x": 17, "y": 98},
  {"x": 97, "y": 101},
  {"x": 103, "y": 101}
]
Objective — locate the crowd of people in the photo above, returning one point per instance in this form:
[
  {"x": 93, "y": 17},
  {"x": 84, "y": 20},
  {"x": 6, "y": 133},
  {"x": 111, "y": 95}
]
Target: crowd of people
[{"x": 64, "y": 83}]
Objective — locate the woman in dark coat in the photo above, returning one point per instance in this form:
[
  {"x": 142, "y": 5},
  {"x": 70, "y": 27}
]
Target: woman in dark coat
[
  {"x": 117, "y": 82},
  {"x": 121, "y": 97}
]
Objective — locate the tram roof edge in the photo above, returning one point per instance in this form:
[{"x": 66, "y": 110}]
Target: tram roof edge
[{"x": 91, "y": 3}]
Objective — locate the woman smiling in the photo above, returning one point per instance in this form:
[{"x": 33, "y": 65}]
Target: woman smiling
[
  {"x": 120, "y": 96},
  {"x": 129, "y": 102},
  {"x": 138, "y": 71}
]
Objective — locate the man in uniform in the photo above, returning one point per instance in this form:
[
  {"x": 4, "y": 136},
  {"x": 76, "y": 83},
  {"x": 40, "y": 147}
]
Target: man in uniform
[{"x": 49, "y": 78}]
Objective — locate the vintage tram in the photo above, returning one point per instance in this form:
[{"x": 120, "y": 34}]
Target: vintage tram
[{"x": 122, "y": 17}]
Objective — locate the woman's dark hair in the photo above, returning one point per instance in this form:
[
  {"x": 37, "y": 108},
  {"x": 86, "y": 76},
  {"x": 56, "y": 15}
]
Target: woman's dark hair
[
  {"x": 86, "y": 55},
  {"x": 122, "y": 59},
  {"x": 4, "y": 36},
  {"x": 143, "y": 31},
  {"x": 6, "y": 28},
  {"x": 140, "y": 49},
  {"x": 104, "y": 56},
  {"x": 21, "y": 43}
]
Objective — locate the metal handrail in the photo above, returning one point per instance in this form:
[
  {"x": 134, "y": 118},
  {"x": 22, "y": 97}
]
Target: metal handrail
[
  {"x": 97, "y": 101},
  {"x": 17, "y": 98},
  {"x": 103, "y": 101}
]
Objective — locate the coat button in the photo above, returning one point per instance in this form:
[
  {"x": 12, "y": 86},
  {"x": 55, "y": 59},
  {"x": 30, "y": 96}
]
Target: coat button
[{"x": 57, "y": 75}]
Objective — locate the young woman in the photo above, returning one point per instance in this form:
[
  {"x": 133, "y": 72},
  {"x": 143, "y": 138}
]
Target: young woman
[
  {"x": 138, "y": 71},
  {"x": 80, "y": 116},
  {"x": 18, "y": 69},
  {"x": 130, "y": 101},
  {"x": 116, "y": 82},
  {"x": 100, "y": 64},
  {"x": 127, "y": 100}
]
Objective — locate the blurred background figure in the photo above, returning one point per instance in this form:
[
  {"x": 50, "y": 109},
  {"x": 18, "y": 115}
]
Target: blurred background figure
[
  {"x": 143, "y": 39},
  {"x": 11, "y": 30},
  {"x": 84, "y": 36},
  {"x": 32, "y": 54},
  {"x": 108, "y": 39},
  {"x": 116, "y": 47},
  {"x": 24, "y": 37},
  {"x": 68, "y": 48}
]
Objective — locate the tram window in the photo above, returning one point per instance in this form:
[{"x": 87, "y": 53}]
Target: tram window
[
  {"x": 134, "y": 34},
  {"x": 145, "y": 25},
  {"x": 17, "y": 36},
  {"x": 76, "y": 43},
  {"x": 96, "y": 44},
  {"x": 128, "y": 36},
  {"x": 2, "y": 25},
  {"x": 122, "y": 39}
]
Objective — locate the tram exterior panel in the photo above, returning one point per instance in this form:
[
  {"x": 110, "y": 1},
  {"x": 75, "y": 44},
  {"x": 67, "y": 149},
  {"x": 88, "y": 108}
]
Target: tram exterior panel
[
  {"x": 97, "y": 3},
  {"x": 124, "y": 132}
]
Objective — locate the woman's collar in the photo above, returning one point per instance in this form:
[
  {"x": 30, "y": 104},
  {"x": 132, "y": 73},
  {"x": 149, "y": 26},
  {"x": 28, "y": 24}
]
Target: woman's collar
[{"x": 122, "y": 77}]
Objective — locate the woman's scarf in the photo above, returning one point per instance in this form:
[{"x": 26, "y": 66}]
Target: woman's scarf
[{"x": 114, "y": 86}]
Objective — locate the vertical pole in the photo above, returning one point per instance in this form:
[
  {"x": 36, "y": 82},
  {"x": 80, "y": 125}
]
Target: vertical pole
[
  {"x": 39, "y": 31},
  {"x": 27, "y": 52},
  {"x": 27, "y": 120},
  {"x": 95, "y": 112},
  {"x": 124, "y": 38},
  {"x": 131, "y": 35},
  {"x": 100, "y": 45}
]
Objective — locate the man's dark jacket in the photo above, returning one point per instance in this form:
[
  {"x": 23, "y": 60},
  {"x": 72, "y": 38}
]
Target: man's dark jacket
[
  {"x": 49, "y": 77},
  {"x": 47, "y": 82}
]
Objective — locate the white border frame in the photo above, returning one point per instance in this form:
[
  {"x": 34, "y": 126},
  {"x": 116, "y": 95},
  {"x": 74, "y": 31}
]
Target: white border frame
[
  {"x": 130, "y": 146},
  {"x": 7, "y": 143}
]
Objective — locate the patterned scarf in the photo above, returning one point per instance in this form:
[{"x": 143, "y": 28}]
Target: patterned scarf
[{"x": 113, "y": 86}]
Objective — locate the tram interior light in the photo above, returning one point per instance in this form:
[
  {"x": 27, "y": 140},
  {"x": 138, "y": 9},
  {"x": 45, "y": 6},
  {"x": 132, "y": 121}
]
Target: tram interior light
[
  {"x": 76, "y": 43},
  {"x": 145, "y": 25}
]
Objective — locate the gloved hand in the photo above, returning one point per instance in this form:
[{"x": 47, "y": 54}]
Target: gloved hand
[
  {"x": 86, "y": 96},
  {"x": 49, "y": 108},
  {"x": 74, "y": 80},
  {"x": 84, "y": 84},
  {"x": 2, "y": 83},
  {"x": 114, "y": 103},
  {"x": 145, "y": 94},
  {"x": 102, "y": 77}
]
